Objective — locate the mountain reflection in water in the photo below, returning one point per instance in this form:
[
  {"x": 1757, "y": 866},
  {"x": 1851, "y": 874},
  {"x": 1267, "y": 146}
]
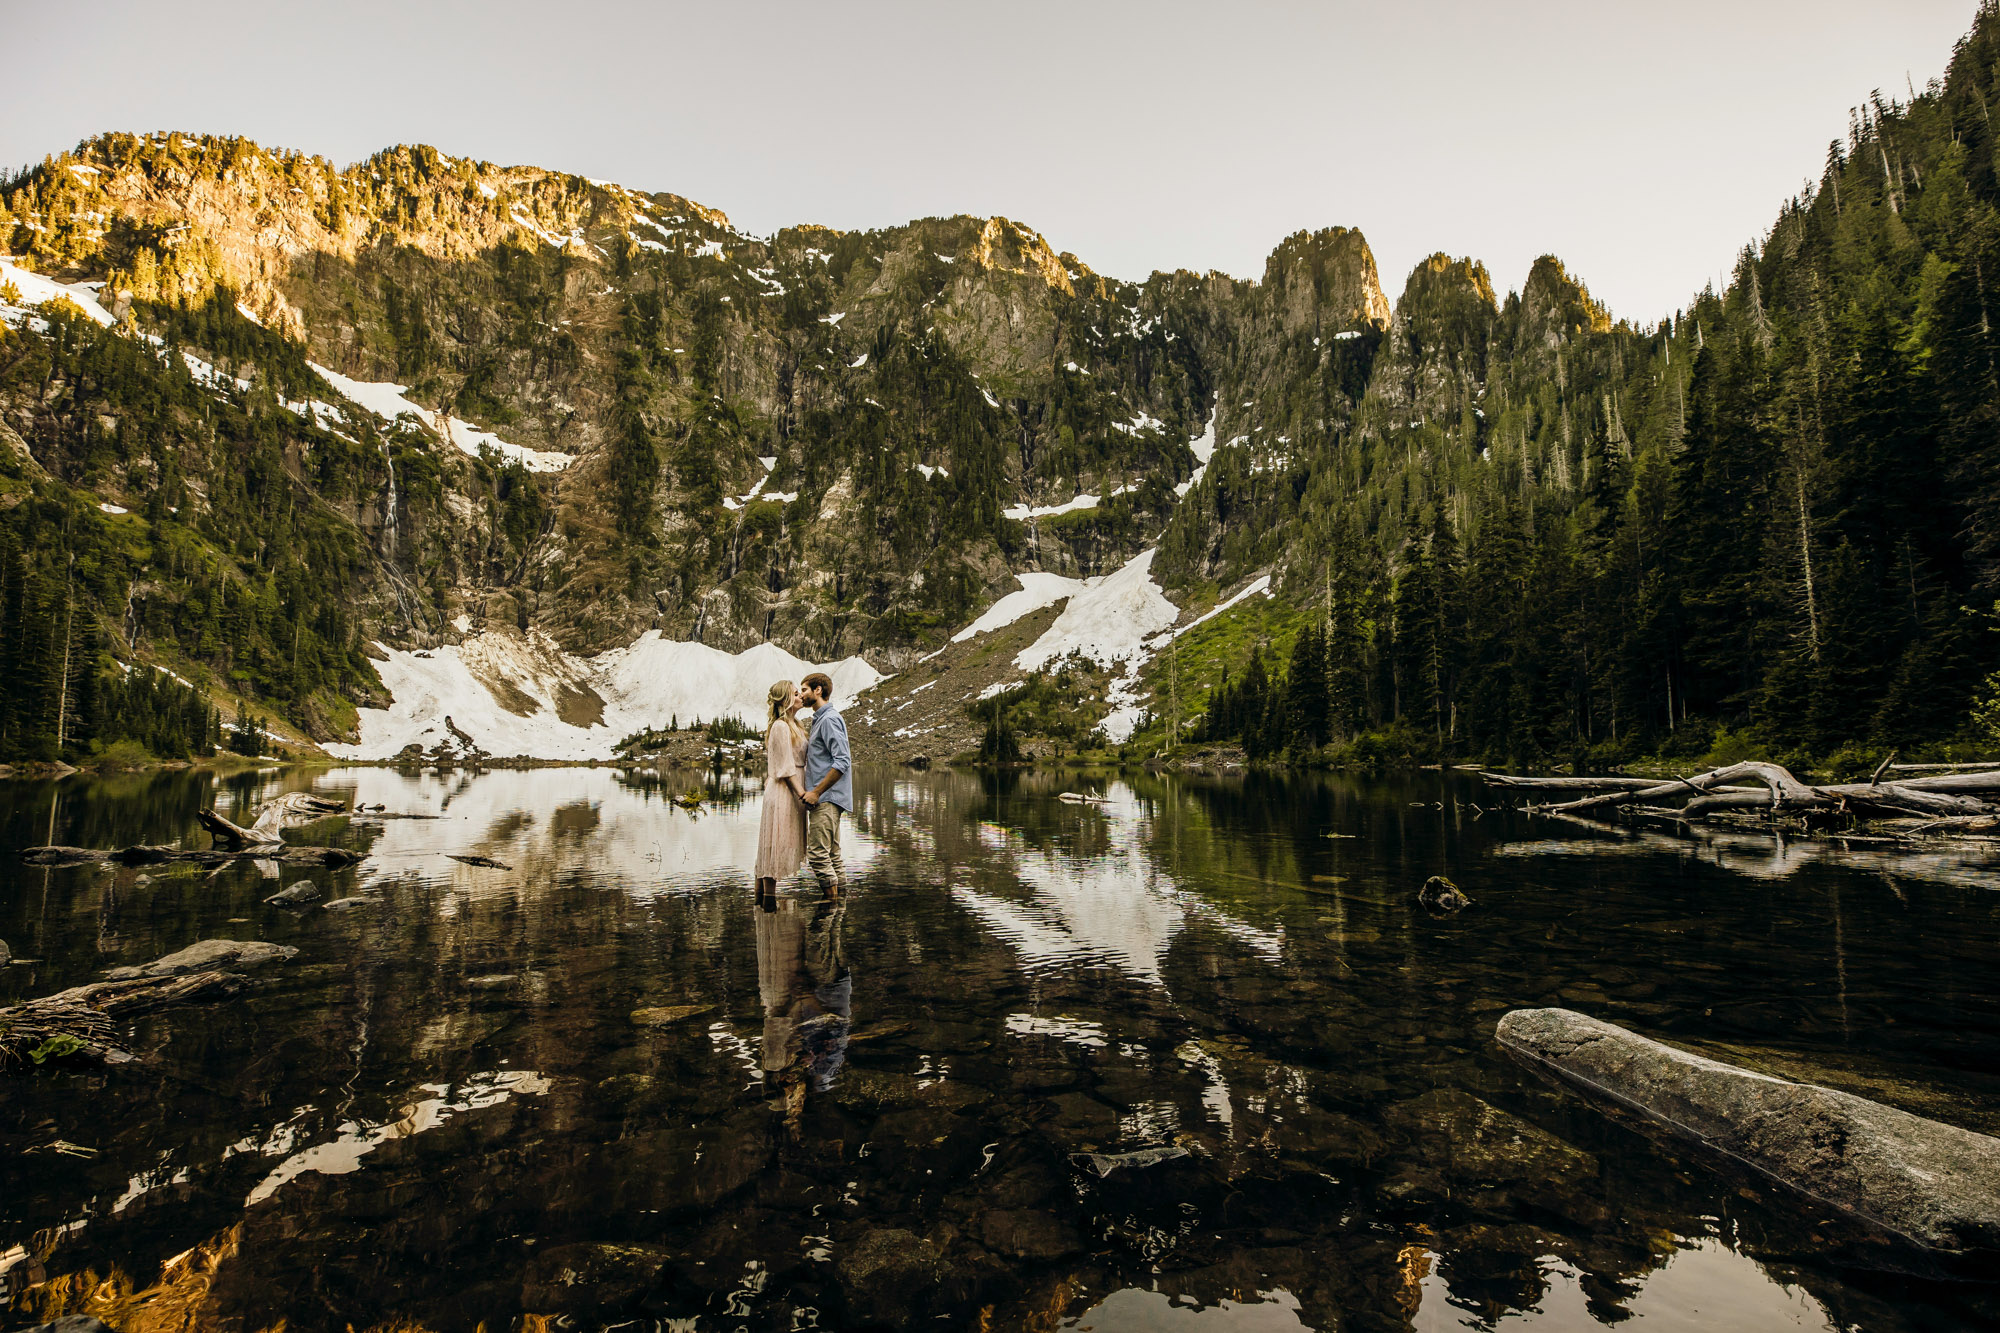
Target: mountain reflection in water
[{"x": 603, "y": 1082}]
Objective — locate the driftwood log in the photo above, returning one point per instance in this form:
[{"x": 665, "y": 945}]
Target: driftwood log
[
  {"x": 282, "y": 853},
  {"x": 1949, "y": 798},
  {"x": 82, "y": 1021},
  {"x": 292, "y": 810},
  {"x": 263, "y": 840}
]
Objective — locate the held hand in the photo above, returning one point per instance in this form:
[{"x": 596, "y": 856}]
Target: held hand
[{"x": 809, "y": 798}]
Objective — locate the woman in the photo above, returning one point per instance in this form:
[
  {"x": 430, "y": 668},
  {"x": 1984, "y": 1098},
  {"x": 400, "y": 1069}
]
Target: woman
[{"x": 781, "y": 839}]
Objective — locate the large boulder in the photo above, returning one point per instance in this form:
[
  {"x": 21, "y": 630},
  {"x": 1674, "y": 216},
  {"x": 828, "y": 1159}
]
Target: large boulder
[{"x": 1933, "y": 1185}]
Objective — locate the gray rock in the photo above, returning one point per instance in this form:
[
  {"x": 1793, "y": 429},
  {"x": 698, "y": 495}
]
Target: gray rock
[
  {"x": 1933, "y": 1185},
  {"x": 72, "y": 1323},
  {"x": 5, "y": 957},
  {"x": 305, "y": 891},
  {"x": 207, "y": 956},
  {"x": 1103, "y": 1164}
]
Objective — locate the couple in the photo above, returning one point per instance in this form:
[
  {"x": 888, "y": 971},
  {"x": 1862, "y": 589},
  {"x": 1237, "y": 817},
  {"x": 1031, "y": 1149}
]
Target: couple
[{"x": 808, "y": 785}]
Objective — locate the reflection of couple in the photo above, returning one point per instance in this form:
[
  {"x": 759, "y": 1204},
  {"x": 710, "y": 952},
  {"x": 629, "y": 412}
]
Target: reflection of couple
[
  {"x": 807, "y": 991},
  {"x": 808, "y": 785}
]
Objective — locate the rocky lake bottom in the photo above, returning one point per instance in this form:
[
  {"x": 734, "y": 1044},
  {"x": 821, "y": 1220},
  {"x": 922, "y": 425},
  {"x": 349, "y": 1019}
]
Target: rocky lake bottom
[{"x": 1185, "y": 1057}]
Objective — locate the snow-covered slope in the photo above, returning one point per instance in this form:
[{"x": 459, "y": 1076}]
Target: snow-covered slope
[
  {"x": 37, "y": 290},
  {"x": 1107, "y": 620},
  {"x": 521, "y": 694}
]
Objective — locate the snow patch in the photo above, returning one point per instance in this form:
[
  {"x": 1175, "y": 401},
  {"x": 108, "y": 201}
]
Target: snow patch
[
  {"x": 1204, "y": 452},
  {"x": 504, "y": 689},
  {"x": 1037, "y": 590},
  {"x": 38, "y": 290},
  {"x": 1108, "y": 620},
  {"x": 1022, "y": 513},
  {"x": 387, "y": 402}
]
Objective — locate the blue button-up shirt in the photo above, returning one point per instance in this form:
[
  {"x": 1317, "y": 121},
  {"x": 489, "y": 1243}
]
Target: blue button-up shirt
[{"x": 826, "y": 748}]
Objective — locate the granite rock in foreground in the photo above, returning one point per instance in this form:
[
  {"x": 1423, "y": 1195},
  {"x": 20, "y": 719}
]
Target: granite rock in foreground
[{"x": 1933, "y": 1185}]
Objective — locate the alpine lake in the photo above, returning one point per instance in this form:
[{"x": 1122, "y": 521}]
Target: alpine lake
[{"x": 1187, "y": 1057}]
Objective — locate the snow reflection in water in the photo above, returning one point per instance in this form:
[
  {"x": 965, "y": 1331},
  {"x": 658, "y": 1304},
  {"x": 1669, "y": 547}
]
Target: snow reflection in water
[
  {"x": 355, "y": 1139},
  {"x": 1115, "y": 906}
]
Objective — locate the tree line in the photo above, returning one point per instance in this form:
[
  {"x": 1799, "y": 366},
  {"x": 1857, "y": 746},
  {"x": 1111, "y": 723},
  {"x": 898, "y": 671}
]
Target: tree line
[{"x": 1775, "y": 516}]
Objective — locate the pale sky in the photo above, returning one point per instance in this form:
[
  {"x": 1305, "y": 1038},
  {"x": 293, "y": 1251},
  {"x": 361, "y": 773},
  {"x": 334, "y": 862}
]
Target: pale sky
[{"x": 1644, "y": 144}]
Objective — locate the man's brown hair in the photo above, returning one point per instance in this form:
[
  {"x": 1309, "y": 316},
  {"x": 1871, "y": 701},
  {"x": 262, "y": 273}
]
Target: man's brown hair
[{"x": 820, "y": 681}]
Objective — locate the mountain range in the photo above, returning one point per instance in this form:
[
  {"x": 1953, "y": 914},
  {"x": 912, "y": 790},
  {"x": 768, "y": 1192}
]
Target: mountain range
[{"x": 430, "y": 451}]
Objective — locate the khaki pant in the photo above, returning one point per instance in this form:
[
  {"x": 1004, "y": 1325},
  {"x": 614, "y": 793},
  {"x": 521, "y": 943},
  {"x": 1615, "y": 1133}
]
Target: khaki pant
[{"x": 823, "y": 845}]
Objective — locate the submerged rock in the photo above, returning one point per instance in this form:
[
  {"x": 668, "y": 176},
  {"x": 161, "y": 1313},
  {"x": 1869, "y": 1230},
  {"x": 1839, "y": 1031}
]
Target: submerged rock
[
  {"x": 347, "y": 904},
  {"x": 591, "y": 1278},
  {"x": 1102, "y": 1164},
  {"x": 206, "y": 956},
  {"x": 1027, "y": 1233},
  {"x": 298, "y": 895},
  {"x": 667, "y": 1014},
  {"x": 1933, "y": 1185},
  {"x": 884, "y": 1270},
  {"x": 1440, "y": 897}
]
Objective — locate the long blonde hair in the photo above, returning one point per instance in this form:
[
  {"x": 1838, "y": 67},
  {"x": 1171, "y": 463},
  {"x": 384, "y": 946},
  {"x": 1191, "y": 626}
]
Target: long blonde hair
[{"x": 781, "y": 694}]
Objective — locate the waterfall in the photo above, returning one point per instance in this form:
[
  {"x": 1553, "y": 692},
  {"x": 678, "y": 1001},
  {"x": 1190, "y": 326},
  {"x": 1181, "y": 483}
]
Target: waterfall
[{"x": 389, "y": 512}]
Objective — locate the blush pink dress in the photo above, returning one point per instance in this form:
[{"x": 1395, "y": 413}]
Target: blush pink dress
[{"x": 781, "y": 838}]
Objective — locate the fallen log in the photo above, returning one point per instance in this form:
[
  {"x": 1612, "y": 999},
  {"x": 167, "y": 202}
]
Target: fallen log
[
  {"x": 81, "y": 1021},
  {"x": 1903, "y": 798},
  {"x": 1978, "y": 766},
  {"x": 1713, "y": 791},
  {"x": 1930, "y": 1185},
  {"x": 284, "y": 853},
  {"x": 1784, "y": 788},
  {"x": 1964, "y": 782},
  {"x": 1569, "y": 784}
]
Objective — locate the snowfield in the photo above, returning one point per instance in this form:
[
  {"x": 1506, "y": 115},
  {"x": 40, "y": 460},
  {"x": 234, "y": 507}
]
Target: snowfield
[
  {"x": 512, "y": 693},
  {"x": 1108, "y": 620}
]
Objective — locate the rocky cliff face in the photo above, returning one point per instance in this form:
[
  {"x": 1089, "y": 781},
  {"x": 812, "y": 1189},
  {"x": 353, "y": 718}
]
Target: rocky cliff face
[{"x": 573, "y": 408}]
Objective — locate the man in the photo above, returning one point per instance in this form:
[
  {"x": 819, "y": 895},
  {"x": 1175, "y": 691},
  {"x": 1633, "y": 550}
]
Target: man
[{"x": 829, "y": 782}]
